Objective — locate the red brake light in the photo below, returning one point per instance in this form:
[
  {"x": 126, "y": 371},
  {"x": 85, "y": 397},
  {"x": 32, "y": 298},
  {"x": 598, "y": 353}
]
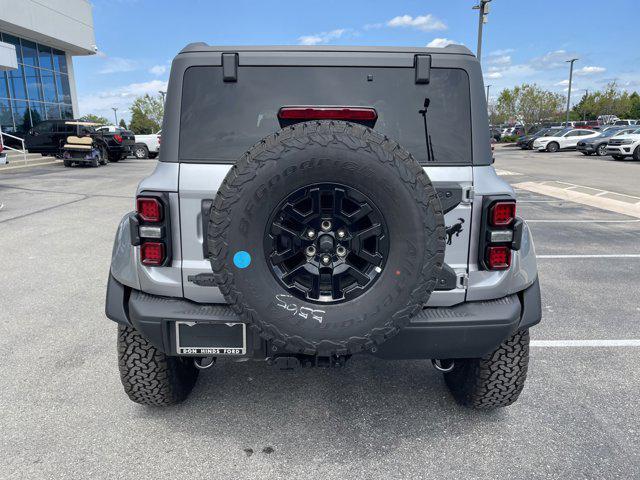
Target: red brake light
[
  {"x": 498, "y": 258},
  {"x": 117, "y": 138},
  {"x": 152, "y": 253},
  {"x": 502, "y": 214},
  {"x": 328, "y": 113},
  {"x": 149, "y": 209}
]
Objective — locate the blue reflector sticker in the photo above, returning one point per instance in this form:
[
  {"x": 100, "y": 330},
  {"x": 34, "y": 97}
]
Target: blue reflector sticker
[{"x": 242, "y": 259}]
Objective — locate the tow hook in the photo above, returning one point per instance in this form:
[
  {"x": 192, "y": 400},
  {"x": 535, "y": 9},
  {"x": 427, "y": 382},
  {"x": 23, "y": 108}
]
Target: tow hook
[
  {"x": 443, "y": 366},
  {"x": 202, "y": 363}
]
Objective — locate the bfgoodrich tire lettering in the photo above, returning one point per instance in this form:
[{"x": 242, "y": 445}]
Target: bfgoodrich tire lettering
[
  {"x": 495, "y": 380},
  {"x": 311, "y": 153},
  {"x": 149, "y": 376}
]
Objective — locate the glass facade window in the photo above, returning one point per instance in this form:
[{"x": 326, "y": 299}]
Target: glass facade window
[{"x": 38, "y": 90}]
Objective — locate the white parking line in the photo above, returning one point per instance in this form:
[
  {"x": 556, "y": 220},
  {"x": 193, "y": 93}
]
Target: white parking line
[
  {"x": 583, "y": 221},
  {"x": 586, "y": 343},
  {"x": 621, "y": 255}
]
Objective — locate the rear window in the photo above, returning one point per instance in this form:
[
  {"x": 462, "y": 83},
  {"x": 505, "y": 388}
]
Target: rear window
[{"x": 220, "y": 121}]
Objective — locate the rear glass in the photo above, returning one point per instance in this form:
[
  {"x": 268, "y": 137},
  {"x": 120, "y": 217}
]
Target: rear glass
[{"x": 220, "y": 121}]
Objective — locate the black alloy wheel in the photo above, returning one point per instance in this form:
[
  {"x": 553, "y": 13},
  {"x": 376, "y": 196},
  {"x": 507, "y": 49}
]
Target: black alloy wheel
[{"x": 326, "y": 243}]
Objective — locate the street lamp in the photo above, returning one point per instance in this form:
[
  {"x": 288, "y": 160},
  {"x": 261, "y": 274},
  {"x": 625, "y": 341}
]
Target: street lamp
[
  {"x": 163, "y": 93},
  {"x": 569, "y": 92},
  {"x": 115, "y": 114},
  {"x": 483, "y": 8},
  {"x": 488, "y": 94}
]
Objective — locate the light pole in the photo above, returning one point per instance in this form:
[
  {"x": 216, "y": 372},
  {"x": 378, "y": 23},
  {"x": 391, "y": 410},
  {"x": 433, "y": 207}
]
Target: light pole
[
  {"x": 483, "y": 8},
  {"x": 163, "y": 93},
  {"x": 115, "y": 114},
  {"x": 569, "y": 92},
  {"x": 488, "y": 94}
]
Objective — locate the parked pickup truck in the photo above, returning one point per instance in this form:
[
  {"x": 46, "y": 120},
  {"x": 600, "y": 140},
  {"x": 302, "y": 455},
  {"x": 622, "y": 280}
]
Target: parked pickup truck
[
  {"x": 49, "y": 137},
  {"x": 120, "y": 142},
  {"x": 147, "y": 146}
]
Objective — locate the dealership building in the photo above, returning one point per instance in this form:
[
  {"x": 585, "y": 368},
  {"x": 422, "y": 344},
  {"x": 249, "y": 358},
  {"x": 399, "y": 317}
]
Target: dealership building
[{"x": 38, "y": 39}]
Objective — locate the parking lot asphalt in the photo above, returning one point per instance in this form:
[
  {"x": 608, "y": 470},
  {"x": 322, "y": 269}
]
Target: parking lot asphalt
[{"x": 64, "y": 414}]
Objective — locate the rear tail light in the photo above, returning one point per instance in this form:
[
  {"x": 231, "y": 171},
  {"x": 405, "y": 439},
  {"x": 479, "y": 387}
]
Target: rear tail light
[
  {"x": 152, "y": 253},
  {"x": 151, "y": 229},
  {"x": 502, "y": 214},
  {"x": 149, "y": 209},
  {"x": 117, "y": 138},
  {"x": 362, "y": 114},
  {"x": 500, "y": 232}
]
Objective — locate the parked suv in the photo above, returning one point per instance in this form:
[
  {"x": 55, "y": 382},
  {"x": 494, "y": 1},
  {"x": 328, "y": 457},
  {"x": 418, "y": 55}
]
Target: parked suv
[
  {"x": 564, "y": 139},
  {"x": 625, "y": 146},
  {"x": 315, "y": 203},
  {"x": 598, "y": 144}
]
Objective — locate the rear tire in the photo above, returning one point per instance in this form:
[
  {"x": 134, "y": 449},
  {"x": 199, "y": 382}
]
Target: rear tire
[
  {"x": 553, "y": 147},
  {"x": 141, "y": 152},
  {"x": 149, "y": 376},
  {"x": 495, "y": 380}
]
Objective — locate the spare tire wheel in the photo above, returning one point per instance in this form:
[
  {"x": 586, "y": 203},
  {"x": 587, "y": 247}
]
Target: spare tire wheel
[{"x": 326, "y": 237}]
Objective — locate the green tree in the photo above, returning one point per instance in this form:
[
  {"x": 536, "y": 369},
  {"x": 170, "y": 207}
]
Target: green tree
[
  {"x": 146, "y": 114},
  {"x": 528, "y": 104},
  {"x": 90, "y": 117},
  {"x": 610, "y": 101},
  {"x": 122, "y": 123}
]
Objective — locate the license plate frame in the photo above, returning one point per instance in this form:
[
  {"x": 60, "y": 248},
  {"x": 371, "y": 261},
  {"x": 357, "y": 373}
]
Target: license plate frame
[{"x": 198, "y": 349}]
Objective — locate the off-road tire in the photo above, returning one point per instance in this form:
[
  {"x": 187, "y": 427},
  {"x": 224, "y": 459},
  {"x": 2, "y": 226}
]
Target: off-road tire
[
  {"x": 344, "y": 331},
  {"x": 495, "y": 380},
  {"x": 149, "y": 376},
  {"x": 552, "y": 149}
]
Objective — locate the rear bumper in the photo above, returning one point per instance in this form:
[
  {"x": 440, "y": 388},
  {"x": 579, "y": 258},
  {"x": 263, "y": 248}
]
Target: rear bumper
[{"x": 468, "y": 330}]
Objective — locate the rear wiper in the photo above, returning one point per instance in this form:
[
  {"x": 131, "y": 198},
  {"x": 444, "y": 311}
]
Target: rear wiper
[{"x": 427, "y": 137}]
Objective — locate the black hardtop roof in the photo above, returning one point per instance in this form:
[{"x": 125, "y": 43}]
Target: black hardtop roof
[{"x": 449, "y": 49}]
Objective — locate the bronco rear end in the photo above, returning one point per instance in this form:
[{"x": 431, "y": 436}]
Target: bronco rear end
[{"x": 311, "y": 204}]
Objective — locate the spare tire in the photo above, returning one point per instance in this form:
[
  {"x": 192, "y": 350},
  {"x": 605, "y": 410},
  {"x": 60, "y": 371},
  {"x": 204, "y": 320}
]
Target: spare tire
[{"x": 326, "y": 237}]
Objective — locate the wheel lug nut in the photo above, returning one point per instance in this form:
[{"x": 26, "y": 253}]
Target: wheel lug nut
[
  {"x": 325, "y": 225},
  {"x": 310, "y": 251},
  {"x": 311, "y": 233},
  {"x": 341, "y": 233},
  {"x": 341, "y": 251},
  {"x": 326, "y": 259}
]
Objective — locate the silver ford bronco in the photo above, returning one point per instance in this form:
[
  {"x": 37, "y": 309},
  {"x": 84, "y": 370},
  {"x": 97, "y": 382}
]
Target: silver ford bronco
[{"x": 314, "y": 203}]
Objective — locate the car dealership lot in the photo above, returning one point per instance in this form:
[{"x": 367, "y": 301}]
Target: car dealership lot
[{"x": 65, "y": 415}]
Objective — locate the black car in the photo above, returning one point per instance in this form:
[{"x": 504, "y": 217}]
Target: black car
[
  {"x": 598, "y": 145},
  {"x": 525, "y": 142},
  {"x": 49, "y": 136}
]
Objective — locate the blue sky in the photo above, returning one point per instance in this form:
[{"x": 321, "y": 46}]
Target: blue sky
[{"x": 524, "y": 41}]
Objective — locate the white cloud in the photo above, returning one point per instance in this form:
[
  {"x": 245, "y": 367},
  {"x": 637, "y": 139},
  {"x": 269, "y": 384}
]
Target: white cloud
[
  {"x": 499, "y": 60},
  {"x": 121, "y": 97},
  {"x": 426, "y": 23},
  {"x": 590, "y": 70},
  {"x": 551, "y": 60},
  {"x": 504, "y": 51},
  {"x": 322, "y": 38},
  {"x": 493, "y": 75},
  {"x": 562, "y": 83},
  {"x": 158, "y": 69},
  {"x": 117, "y": 65},
  {"x": 442, "y": 42}
]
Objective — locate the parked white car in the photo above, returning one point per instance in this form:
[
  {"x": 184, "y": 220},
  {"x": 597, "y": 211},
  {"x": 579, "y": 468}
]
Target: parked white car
[
  {"x": 563, "y": 139},
  {"x": 625, "y": 146},
  {"x": 147, "y": 146}
]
